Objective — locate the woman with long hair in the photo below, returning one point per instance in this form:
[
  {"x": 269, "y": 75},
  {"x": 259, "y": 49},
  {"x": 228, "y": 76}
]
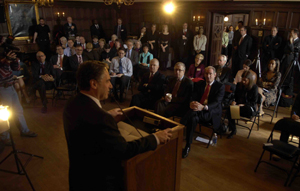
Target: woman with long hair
[{"x": 165, "y": 41}]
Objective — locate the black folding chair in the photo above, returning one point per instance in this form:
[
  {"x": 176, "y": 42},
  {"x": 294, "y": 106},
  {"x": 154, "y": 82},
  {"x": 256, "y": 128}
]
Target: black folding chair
[{"x": 282, "y": 149}]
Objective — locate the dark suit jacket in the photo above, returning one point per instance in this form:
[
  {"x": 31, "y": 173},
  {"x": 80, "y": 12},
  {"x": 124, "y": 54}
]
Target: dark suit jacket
[
  {"x": 93, "y": 55},
  {"x": 236, "y": 38},
  {"x": 68, "y": 29},
  {"x": 244, "y": 48},
  {"x": 123, "y": 32},
  {"x": 74, "y": 61},
  {"x": 155, "y": 88},
  {"x": 270, "y": 47},
  {"x": 184, "y": 49},
  {"x": 224, "y": 76},
  {"x": 35, "y": 69},
  {"x": 184, "y": 92},
  {"x": 97, "y": 32},
  {"x": 96, "y": 145},
  {"x": 66, "y": 64},
  {"x": 214, "y": 100},
  {"x": 251, "y": 95},
  {"x": 134, "y": 57}
]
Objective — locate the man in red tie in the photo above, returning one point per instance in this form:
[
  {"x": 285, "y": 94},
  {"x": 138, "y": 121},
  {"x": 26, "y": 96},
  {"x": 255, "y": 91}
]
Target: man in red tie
[
  {"x": 205, "y": 107},
  {"x": 177, "y": 95}
]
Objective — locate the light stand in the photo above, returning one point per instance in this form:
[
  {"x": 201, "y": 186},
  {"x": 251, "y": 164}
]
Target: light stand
[
  {"x": 258, "y": 65},
  {"x": 4, "y": 115}
]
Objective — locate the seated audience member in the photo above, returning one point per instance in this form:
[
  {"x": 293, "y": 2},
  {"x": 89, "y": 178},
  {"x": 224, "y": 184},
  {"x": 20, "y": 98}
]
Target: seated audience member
[
  {"x": 269, "y": 82},
  {"x": 246, "y": 67},
  {"x": 151, "y": 87},
  {"x": 100, "y": 49},
  {"x": 63, "y": 42},
  {"x": 9, "y": 97},
  {"x": 205, "y": 107},
  {"x": 87, "y": 124},
  {"x": 144, "y": 61},
  {"x": 70, "y": 50},
  {"x": 223, "y": 72},
  {"x": 95, "y": 42},
  {"x": 133, "y": 56},
  {"x": 112, "y": 40},
  {"x": 60, "y": 63},
  {"x": 196, "y": 71},
  {"x": 292, "y": 122},
  {"x": 116, "y": 47},
  {"x": 107, "y": 55},
  {"x": 82, "y": 42},
  {"x": 180, "y": 88},
  {"x": 138, "y": 46},
  {"x": 77, "y": 41},
  {"x": 77, "y": 59},
  {"x": 143, "y": 36},
  {"x": 246, "y": 95},
  {"x": 90, "y": 53},
  {"x": 42, "y": 77},
  {"x": 121, "y": 72}
]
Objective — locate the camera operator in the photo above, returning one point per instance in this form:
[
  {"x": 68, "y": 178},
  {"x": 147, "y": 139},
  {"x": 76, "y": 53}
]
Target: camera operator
[{"x": 9, "y": 96}]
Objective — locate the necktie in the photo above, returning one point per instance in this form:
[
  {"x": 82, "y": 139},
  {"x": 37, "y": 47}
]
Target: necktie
[
  {"x": 120, "y": 67},
  {"x": 150, "y": 79},
  {"x": 241, "y": 40},
  {"x": 42, "y": 69},
  {"x": 175, "y": 89},
  {"x": 119, "y": 31},
  {"x": 204, "y": 97},
  {"x": 61, "y": 61},
  {"x": 79, "y": 60}
]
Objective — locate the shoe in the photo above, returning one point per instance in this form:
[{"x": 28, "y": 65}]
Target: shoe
[
  {"x": 44, "y": 110},
  {"x": 29, "y": 134},
  {"x": 185, "y": 152},
  {"x": 231, "y": 134}
]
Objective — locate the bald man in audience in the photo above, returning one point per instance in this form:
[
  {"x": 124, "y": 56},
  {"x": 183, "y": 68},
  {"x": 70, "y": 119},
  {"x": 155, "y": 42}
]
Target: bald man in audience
[
  {"x": 151, "y": 87},
  {"x": 42, "y": 77},
  {"x": 177, "y": 95}
]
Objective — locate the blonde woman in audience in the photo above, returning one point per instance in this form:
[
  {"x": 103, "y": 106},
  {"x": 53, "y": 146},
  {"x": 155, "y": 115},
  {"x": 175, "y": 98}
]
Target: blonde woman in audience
[
  {"x": 196, "y": 71},
  {"x": 64, "y": 42},
  {"x": 165, "y": 41},
  {"x": 200, "y": 42},
  {"x": 90, "y": 53},
  {"x": 138, "y": 46}
]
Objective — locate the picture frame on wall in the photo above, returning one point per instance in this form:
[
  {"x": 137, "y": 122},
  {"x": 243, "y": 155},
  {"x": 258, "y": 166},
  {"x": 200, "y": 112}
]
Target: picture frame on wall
[{"x": 22, "y": 18}]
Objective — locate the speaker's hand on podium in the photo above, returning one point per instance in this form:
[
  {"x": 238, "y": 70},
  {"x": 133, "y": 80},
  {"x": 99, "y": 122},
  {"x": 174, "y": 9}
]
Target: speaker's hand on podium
[
  {"x": 116, "y": 113},
  {"x": 164, "y": 136}
]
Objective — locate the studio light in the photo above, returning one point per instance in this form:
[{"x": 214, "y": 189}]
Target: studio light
[
  {"x": 226, "y": 19},
  {"x": 169, "y": 7},
  {"x": 4, "y": 113}
]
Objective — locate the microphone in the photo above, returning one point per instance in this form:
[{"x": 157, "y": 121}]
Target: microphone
[{"x": 125, "y": 115}]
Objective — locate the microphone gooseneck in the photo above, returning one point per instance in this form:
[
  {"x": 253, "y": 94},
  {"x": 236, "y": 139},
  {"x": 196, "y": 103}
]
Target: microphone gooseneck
[{"x": 125, "y": 115}]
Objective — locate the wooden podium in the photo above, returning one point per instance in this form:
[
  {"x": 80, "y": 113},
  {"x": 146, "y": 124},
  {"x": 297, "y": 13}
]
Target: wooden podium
[{"x": 157, "y": 170}]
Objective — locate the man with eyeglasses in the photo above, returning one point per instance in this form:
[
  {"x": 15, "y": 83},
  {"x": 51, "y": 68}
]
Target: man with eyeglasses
[
  {"x": 121, "y": 72},
  {"x": 77, "y": 58},
  {"x": 151, "y": 87},
  {"x": 223, "y": 72},
  {"x": 177, "y": 95}
]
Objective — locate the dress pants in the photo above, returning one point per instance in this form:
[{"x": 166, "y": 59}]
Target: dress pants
[
  {"x": 288, "y": 123},
  {"x": 143, "y": 100},
  {"x": 245, "y": 111},
  {"x": 9, "y": 97},
  {"x": 123, "y": 82},
  {"x": 191, "y": 120},
  {"x": 42, "y": 86},
  {"x": 167, "y": 110}
]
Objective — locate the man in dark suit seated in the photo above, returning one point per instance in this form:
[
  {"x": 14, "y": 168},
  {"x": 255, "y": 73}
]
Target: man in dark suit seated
[
  {"x": 94, "y": 141},
  {"x": 223, "y": 72},
  {"x": 178, "y": 94},
  {"x": 77, "y": 59},
  {"x": 205, "y": 107},
  {"x": 43, "y": 77},
  {"x": 133, "y": 55},
  {"x": 60, "y": 62},
  {"x": 120, "y": 30},
  {"x": 242, "y": 51},
  {"x": 151, "y": 87}
]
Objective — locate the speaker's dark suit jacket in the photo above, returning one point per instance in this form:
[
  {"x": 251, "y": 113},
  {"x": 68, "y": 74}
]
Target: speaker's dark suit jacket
[
  {"x": 214, "y": 100},
  {"x": 74, "y": 61},
  {"x": 66, "y": 64},
  {"x": 97, "y": 32},
  {"x": 123, "y": 32},
  {"x": 225, "y": 73},
  {"x": 35, "y": 69},
  {"x": 96, "y": 147}
]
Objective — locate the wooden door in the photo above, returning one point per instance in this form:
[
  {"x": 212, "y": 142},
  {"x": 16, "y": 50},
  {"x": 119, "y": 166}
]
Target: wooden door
[{"x": 216, "y": 41}]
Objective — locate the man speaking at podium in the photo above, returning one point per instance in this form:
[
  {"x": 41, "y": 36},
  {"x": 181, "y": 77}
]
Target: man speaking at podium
[{"x": 96, "y": 147}]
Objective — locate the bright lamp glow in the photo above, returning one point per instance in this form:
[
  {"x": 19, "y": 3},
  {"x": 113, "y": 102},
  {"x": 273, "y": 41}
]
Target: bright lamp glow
[
  {"x": 226, "y": 19},
  {"x": 169, "y": 7},
  {"x": 4, "y": 113}
]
